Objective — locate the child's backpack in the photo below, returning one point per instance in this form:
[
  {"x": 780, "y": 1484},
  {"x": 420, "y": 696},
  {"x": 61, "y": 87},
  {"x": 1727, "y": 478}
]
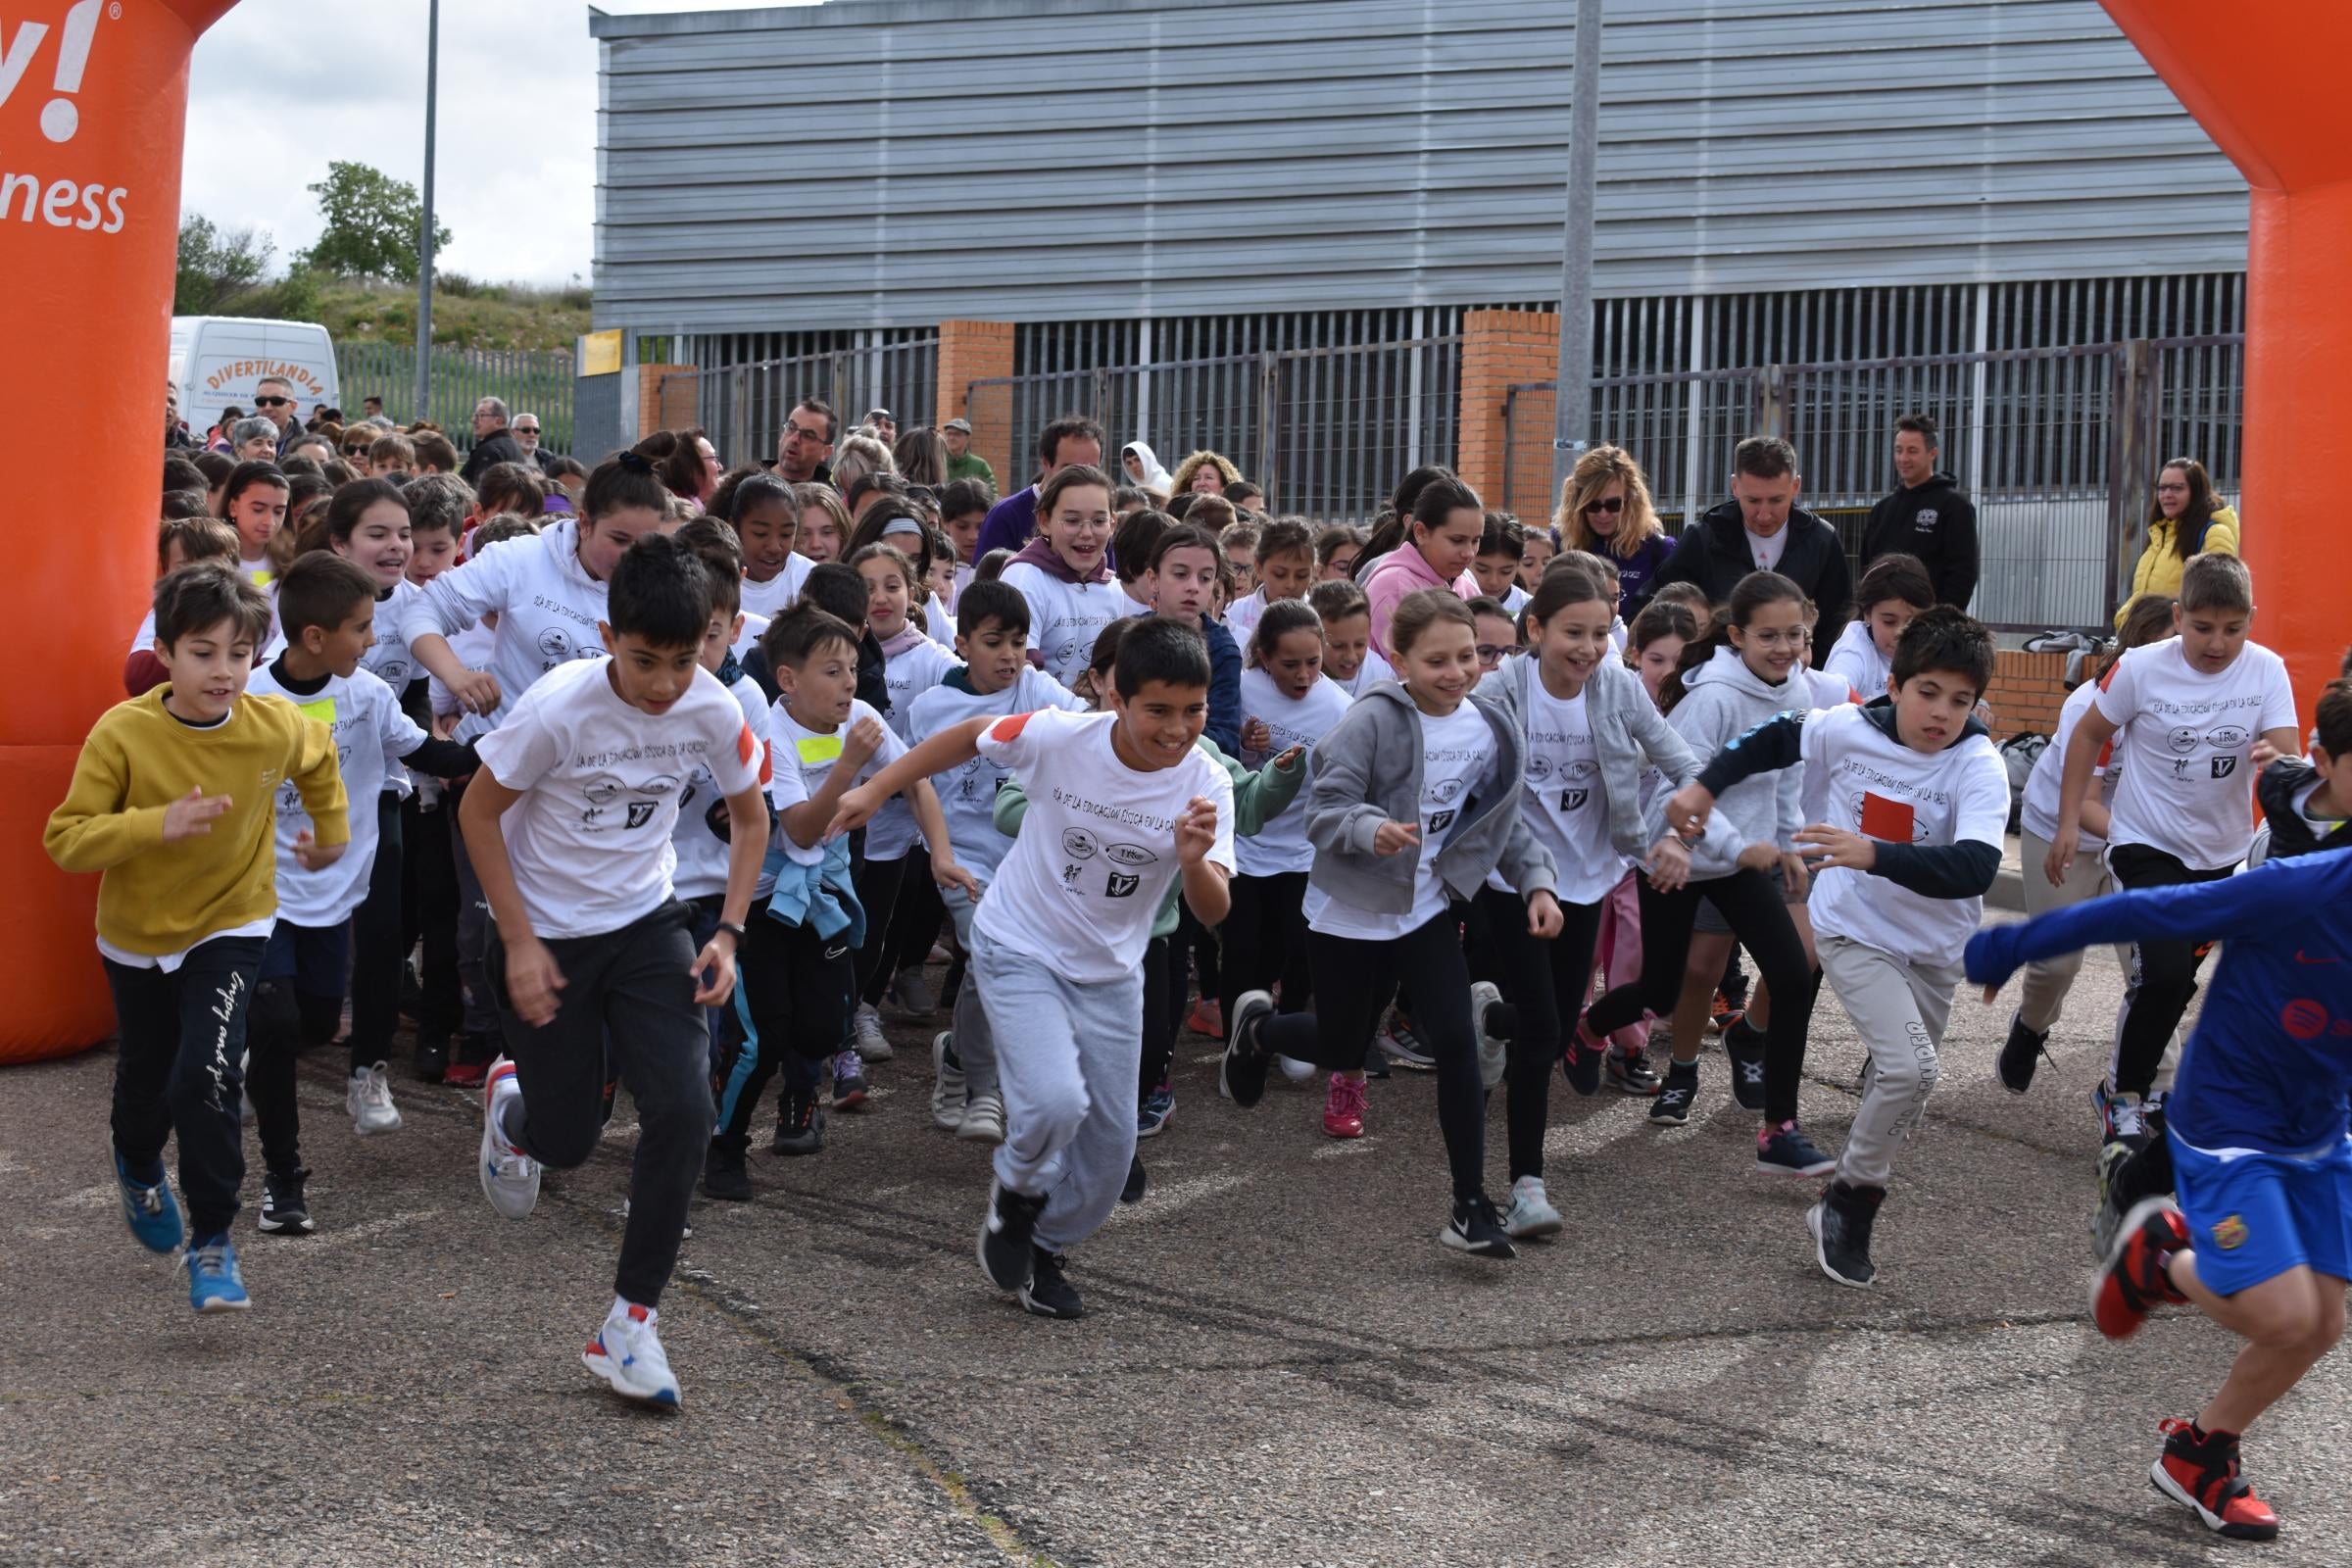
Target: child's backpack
[{"x": 2018, "y": 753}]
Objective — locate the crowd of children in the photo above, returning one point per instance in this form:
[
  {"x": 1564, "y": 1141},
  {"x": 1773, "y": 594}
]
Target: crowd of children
[{"x": 673, "y": 782}]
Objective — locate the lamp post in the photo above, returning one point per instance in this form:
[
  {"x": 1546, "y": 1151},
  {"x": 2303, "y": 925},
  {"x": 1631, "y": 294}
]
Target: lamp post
[
  {"x": 424, "y": 237},
  {"x": 1573, "y": 401}
]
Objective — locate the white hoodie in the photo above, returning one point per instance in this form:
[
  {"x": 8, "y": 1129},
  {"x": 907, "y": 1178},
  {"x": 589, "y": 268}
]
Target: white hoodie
[
  {"x": 548, "y": 608},
  {"x": 1722, "y": 699}
]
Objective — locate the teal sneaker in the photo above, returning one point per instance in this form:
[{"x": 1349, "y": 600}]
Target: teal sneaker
[
  {"x": 148, "y": 1208},
  {"x": 215, "y": 1283}
]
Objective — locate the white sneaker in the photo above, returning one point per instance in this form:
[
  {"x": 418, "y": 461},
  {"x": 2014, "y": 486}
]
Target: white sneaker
[
  {"x": 983, "y": 1120},
  {"x": 947, "y": 1083},
  {"x": 869, "y": 1042},
  {"x": 1294, "y": 1070},
  {"x": 368, "y": 1098},
  {"x": 509, "y": 1177},
  {"x": 1493, "y": 1054},
  {"x": 1530, "y": 1213},
  {"x": 627, "y": 1353}
]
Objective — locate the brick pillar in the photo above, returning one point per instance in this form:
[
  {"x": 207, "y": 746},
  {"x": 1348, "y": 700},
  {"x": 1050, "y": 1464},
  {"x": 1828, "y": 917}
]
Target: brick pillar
[
  {"x": 2028, "y": 691},
  {"x": 1500, "y": 350},
  {"x": 656, "y": 411},
  {"x": 977, "y": 351}
]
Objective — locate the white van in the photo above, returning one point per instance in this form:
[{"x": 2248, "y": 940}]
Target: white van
[{"x": 217, "y": 360}]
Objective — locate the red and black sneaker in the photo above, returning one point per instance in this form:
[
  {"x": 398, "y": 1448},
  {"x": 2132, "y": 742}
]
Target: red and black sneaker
[
  {"x": 2133, "y": 1282},
  {"x": 1723, "y": 1012},
  {"x": 2198, "y": 1470}
]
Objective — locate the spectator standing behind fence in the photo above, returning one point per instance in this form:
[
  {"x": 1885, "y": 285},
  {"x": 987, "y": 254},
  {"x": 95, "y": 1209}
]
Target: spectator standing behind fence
[
  {"x": 1928, "y": 515},
  {"x": 1606, "y": 511},
  {"x": 1762, "y": 528},
  {"x": 1068, "y": 441},
  {"x": 806, "y": 444},
  {"x": 492, "y": 442},
  {"x": 2187, "y": 519},
  {"x": 962, "y": 461},
  {"x": 525, "y": 431},
  {"x": 273, "y": 400}
]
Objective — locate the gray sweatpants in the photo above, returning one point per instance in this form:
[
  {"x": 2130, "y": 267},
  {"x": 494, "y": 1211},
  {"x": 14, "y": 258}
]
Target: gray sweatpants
[
  {"x": 1900, "y": 1008},
  {"x": 975, "y": 1043},
  {"x": 1068, "y": 1055},
  {"x": 2044, "y": 984}
]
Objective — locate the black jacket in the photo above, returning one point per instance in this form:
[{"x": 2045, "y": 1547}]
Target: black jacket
[
  {"x": 491, "y": 449},
  {"x": 2276, "y": 791},
  {"x": 1714, "y": 553},
  {"x": 1935, "y": 523}
]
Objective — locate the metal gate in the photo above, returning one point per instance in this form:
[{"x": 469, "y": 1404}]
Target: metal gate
[{"x": 741, "y": 408}]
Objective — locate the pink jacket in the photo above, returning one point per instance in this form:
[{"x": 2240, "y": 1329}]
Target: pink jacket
[{"x": 1399, "y": 572}]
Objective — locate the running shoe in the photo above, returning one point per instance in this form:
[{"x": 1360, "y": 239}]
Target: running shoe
[
  {"x": 1006, "y": 1237},
  {"x": 1840, "y": 1224},
  {"x": 849, "y": 1080},
  {"x": 911, "y": 993},
  {"x": 2199, "y": 1470},
  {"x": 1399, "y": 1042},
  {"x": 1784, "y": 1151},
  {"x": 148, "y": 1207},
  {"x": 1721, "y": 1013},
  {"x": 1745, "y": 1045},
  {"x": 432, "y": 1060},
  {"x": 285, "y": 1211},
  {"x": 2021, "y": 1054},
  {"x": 1136, "y": 1181},
  {"x": 1530, "y": 1213},
  {"x": 626, "y": 1352},
  {"x": 1476, "y": 1229},
  {"x": 1207, "y": 1017},
  {"x": 367, "y": 1096},
  {"x": 1581, "y": 1062},
  {"x": 1294, "y": 1071},
  {"x": 2133, "y": 1283},
  {"x": 1151, "y": 1117},
  {"x": 724, "y": 1179},
  {"x": 1673, "y": 1105},
  {"x": 1242, "y": 1077},
  {"x": 983, "y": 1120},
  {"x": 214, "y": 1283},
  {"x": 1047, "y": 1293},
  {"x": 1629, "y": 1070},
  {"x": 1344, "y": 1107},
  {"x": 1493, "y": 1050},
  {"x": 947, "y": 1082},
  {"x": 799, "y": 1124},
  {"x": 509, "y": 1177},
  {"x": 866, "y": 1037}
]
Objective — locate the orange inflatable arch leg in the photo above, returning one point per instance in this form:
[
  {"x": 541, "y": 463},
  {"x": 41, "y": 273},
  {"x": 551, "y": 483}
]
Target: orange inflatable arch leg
[{"x": 95, "y": 104}]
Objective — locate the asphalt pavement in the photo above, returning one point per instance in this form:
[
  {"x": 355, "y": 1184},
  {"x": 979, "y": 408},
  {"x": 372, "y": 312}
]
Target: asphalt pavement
[{"x": 1279, "y": 1365}]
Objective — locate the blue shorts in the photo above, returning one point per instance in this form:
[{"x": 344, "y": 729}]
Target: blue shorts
[
  {"x": 316, "y": 959},
  {"x": 2253, "y": 1216}
]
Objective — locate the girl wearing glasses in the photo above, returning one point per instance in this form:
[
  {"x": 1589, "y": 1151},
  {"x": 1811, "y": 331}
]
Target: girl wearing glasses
[{"x": 1604, "y": 508}]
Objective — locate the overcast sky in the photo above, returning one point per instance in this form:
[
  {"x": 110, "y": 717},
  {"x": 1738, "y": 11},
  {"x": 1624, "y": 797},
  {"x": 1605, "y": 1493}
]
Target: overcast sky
[{"x": 281, "y": 87}]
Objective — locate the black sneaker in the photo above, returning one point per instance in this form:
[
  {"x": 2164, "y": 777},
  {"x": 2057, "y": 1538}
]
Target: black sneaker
[
  {"x": 1047, "y": 1293},
  {"x": 1581, "y": 1062},
  {"x": 1784, "y": 1151},
  {"x": 800, "y": 1125},
  {"x": 723, "y": 1176},
  {"x": 1631, "y": 1072},
  {"x": 2021, "y": 1054},
  {"x": 284, "y": 1210},
  {"x": 1006, "y": 1237},
  {"x": 1136, "y": 1181},
  {"x": 1743, "y": 1043},
  {"x": 1672, "y": 1107},
  {"x": 1242, "y": 1078},
  {"x": 432, "y": 1055},
  {"x": 1477, "y": 1229},
  {"x": 1840, "y": 1225}
]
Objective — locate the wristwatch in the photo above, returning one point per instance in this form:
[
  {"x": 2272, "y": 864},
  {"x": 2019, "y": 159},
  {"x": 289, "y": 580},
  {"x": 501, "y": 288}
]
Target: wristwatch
[{"x": 734, "y": 930}]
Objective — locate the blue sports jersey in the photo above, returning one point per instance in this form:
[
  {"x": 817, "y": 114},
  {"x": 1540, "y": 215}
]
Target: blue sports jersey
[{"x": 2270, "y": 1066}]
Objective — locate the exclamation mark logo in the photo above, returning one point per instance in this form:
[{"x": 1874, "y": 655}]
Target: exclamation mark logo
[{"x": 60, "y": 120}]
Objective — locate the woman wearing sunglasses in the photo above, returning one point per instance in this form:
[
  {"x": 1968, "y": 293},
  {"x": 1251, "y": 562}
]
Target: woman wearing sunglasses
[{"x": 1604, "y": 508}]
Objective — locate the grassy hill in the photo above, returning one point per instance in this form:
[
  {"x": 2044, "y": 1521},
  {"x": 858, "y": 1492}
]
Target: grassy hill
[{"x": 466, "y": 314}]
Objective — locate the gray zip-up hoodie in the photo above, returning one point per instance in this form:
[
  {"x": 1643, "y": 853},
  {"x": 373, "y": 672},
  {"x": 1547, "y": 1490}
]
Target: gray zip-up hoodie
[
  {"x": 1723, "y": 700},
  {"x": 1368, "y": 772},
  {"x": 1626, "y": 727}
]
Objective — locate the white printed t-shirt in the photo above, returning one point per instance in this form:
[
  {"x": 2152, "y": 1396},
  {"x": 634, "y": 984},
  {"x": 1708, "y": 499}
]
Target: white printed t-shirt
[
  {"x": 1856, "y": 661},
  {"x": 371, "y": 735},
  {"x": 1097, "y": 848},
  {"x": 907, "y": 675},
  {"x": 805, "y": 758},
  {"x": 601, "y": 781},
  {"x": 1064, "y": 617},
  {"x": 967, "y": 795},
  {"x": 1567, "y": 804},
  {"x": 1862, "y": 779},
  {"x": 773, "y": 597},
  {"x": 1281, "y": 845},
  {"x": 702, "y": 855},
  {"x": 1457, "y": 752},
  {"x": 2188, "y": 781},
  {"x": 2038, "y": 810}
]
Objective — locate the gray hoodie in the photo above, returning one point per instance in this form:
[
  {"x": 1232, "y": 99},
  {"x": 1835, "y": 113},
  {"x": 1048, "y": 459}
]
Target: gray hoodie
[
  {"x": 1723, "y": 700},
  {"x": 1624, "y": 721},
  {"x": 1368, "y": 772}
]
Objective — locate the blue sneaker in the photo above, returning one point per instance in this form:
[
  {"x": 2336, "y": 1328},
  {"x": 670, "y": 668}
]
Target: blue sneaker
[
  {"x": 1158, "y": 1106},
  {"x": 148, "y": 1209},
  {"x": 214, "y": 1283}
]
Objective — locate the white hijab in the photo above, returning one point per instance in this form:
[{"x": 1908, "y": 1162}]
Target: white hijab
[{"x": 1155, "y": 477}]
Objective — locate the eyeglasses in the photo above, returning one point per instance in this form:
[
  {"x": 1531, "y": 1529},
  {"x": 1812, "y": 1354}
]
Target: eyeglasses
[
  {"x": 1780, "y": 639},
  {"x": 273, "y": 403},
  {"x": 355, "y": 452},
  {"x": 1491, "y": 654},
  {"x": 804, "y": 433},
  {"x": 1607, "y": 503}
]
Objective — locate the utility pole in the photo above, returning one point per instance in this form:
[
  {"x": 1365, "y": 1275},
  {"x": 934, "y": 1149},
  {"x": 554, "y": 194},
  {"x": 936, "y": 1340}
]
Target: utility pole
[
  {"x": 1573, "y": 402},
  {"x": 425, "y": 239}
]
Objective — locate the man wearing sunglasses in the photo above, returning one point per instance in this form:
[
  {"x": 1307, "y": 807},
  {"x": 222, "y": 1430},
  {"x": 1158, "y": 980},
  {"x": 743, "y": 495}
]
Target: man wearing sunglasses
[
  {"x": 1762, "y": 528},
  {"x": 525, "y": 431},
  {"x": 273, "y": 400}
]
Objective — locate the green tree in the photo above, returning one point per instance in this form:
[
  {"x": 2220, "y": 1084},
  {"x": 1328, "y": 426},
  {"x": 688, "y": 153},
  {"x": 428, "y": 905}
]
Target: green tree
[
  {"x": 218, "y": 268},
  {"x": 371, "y": 222}
]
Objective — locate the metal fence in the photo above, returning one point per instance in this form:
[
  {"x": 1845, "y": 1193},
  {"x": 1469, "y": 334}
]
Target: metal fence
[
  {"x": 742, "y": 406},
  {"x": 1325, "y": 431},
  {"x": 2058, "y": 447},
  {"x": 530, "y": 380}
]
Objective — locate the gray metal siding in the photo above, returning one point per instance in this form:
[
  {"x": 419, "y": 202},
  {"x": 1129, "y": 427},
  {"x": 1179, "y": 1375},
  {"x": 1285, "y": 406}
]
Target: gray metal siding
[{"x": 898, "y": 161}]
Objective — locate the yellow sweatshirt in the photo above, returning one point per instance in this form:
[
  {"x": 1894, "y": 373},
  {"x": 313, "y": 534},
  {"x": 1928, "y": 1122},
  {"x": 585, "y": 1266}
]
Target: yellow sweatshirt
[
  {"x": 157, "y": 898},
  {"x": 2158, "y": 569}
]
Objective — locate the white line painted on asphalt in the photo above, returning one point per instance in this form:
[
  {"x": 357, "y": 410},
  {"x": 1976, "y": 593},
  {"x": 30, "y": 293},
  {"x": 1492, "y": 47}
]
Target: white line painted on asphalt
[
  {"x": 1159, "y": 1201},
  {"x": 102, "y": 1196},
  {"x": 328, "y": 1237}
]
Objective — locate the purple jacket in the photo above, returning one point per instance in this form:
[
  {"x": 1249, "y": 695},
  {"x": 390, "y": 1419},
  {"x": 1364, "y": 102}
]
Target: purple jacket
[
  {"x": 1634, "y": 575},
  {"x": 1010, "y": 523}
]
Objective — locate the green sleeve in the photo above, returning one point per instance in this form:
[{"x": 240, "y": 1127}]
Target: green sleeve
[
  {"x": 1258, "y": 797},
  {"x": 1012, "y": 804}
]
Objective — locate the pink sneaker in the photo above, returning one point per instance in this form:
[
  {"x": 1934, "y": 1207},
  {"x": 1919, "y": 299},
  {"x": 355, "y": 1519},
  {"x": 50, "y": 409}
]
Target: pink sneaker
[{"x": 1344, "y": 1107}]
